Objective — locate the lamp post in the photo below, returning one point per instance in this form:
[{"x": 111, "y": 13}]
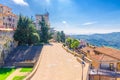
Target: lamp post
[{"x": 83, "y": 63}]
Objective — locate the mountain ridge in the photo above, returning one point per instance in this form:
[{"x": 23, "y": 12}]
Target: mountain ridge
[{"x": 108, "y": 39}]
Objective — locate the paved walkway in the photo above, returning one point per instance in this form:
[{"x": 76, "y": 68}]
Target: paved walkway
[
  {"x": 17, "y": 73},
  {"x": 57, "y": 64}
]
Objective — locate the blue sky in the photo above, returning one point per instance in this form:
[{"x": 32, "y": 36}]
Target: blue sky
[{"x": 73, "y": 16}]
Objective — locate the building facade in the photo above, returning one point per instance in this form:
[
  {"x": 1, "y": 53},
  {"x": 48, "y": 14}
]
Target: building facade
[
  {"x": 7, "y": 18},
  {"x": 8, "y": 23},
  {"x": 105, "y": 62},
  {"x": 39, "y": 19}
]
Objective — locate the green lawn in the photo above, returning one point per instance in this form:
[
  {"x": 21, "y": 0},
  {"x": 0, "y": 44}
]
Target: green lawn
[
  {"x": 26, "y": 70},
  {"x": 5, "y": 72},
  {"x": 18, "y": 78}
]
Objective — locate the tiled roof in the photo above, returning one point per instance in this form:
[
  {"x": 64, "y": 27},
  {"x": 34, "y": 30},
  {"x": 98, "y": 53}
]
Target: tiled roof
[
  {"x": 108, "y": 58},
  {"x": 5, "y": 6},
  {"x": 92, "y": 53},
  {"x": 109, "y": 52}
]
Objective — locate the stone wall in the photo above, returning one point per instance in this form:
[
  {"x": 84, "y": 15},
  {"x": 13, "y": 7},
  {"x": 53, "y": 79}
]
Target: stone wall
[{"x": 24, "y": 64}]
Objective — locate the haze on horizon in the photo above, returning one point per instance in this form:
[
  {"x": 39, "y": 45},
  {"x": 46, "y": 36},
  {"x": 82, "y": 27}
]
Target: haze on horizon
[{"x": 73, "y": 16}]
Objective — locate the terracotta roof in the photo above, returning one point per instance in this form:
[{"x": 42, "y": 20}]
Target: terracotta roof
[
  {"x": 109, "y": 52},
  {"x": 92, "y": 53},
  {"x": 5, "y": 6},
  {"x": 107, "y": 58}
]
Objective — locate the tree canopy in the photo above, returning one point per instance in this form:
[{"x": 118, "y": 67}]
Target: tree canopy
[
  {"x": 44, "y": 32},
  {"x": 72, "y": 43},
  {"x": 26, "y": 32},
  {"x": 60, "y": 36},
  {"x": 75, "y": 44},
  {"x": 69, "y": 42}
]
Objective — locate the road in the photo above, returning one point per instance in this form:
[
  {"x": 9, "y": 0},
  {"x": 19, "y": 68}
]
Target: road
[{"x": 57, "y": 64}]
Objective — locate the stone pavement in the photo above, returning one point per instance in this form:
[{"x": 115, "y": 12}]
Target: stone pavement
[{"x": 57, "y": 64}]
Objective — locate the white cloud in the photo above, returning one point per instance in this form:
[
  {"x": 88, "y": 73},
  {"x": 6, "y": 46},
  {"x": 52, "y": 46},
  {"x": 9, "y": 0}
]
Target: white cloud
[
  {"x": 20, "y": 2},
  {"x": 64, "y": 22},
  {"x": 88, "y": 23},
  {"x": 48, "y": 1},
  {"x": 66, "y": 1},
  {"x": 43, "y": 2}
]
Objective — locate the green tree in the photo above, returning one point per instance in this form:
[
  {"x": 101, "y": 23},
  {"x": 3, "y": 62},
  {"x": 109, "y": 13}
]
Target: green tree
[
  {"x": 35, "y": 38},
  {"x": 72, "y": 43},
  {"x": 69, "y": 42},
  {"x": 58, "y": 37},
  {"x": 62, "y": 36},
  {"x": 24, "y": 31},
  {"x": 75, "y": 43},
  {"x": 45, "y": 34}
]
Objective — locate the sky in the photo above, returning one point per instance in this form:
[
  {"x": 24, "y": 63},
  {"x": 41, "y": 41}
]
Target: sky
[{"x": 73, "y": 16}]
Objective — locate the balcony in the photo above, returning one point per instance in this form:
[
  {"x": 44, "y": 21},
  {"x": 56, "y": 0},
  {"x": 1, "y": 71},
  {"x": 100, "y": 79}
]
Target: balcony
[{"x": 104, "y": 72}]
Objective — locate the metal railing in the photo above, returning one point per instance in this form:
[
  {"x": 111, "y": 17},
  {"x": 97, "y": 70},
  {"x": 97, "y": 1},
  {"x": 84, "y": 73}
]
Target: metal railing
[{"x": 104, "y": 72}]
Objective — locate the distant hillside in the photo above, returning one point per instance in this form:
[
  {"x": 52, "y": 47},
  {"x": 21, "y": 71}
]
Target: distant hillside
[{"x": 110, "y": 39}]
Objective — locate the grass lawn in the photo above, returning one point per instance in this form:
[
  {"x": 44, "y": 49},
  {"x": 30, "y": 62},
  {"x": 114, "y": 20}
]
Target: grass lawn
[
  {"x": 18, "y": 78},
  {"x": 26, "y": 70},
  {"x": 5, "y": 72}
]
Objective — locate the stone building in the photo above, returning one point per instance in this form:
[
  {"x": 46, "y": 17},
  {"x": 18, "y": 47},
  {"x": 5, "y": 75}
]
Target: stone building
[{"x": 39, "y": 19}]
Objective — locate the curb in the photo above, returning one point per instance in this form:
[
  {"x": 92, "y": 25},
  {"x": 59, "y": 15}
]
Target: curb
[{"x": 35, "y": 68}]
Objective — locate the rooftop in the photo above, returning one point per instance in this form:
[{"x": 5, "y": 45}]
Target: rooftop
[
  {"x": 92, "y": 54},
  {"x": 1, "y": 5},
  {"x": 114, "y": 53},
  {"x": 106, "y": 54}
]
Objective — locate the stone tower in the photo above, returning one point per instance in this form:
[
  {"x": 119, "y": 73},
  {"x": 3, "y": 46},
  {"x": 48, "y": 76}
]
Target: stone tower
[{"x": 39, "y": 18}]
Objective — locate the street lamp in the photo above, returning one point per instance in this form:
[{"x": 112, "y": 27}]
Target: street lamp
[{"x": 83, "y": 63}]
